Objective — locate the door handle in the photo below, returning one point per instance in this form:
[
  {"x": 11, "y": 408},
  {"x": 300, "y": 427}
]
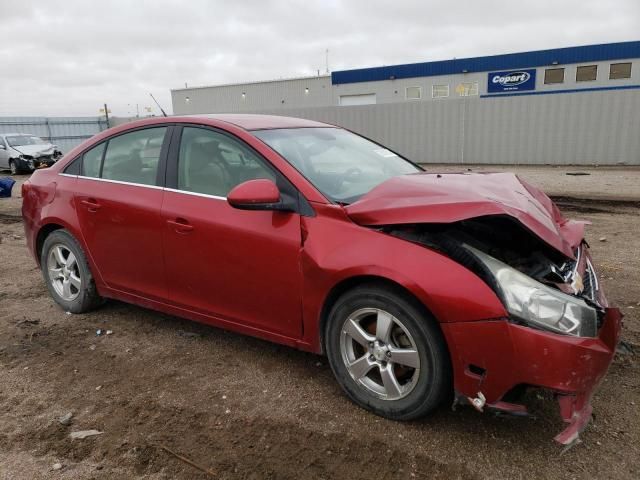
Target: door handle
[
  {"x": 180, "y": 225},
  {"x": 91, "y": 204}
]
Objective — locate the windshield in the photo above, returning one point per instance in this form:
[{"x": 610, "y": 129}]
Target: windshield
[
  {"x": 19, "y": 140},
  {"x": 341, "y": 164}
]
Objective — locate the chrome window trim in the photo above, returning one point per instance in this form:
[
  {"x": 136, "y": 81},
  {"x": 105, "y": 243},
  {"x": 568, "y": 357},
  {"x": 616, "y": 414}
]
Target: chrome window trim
[
  {"x": 196, "y": 194},
  {"x": 120, "y": 182},
  {"x": 155, "y": 187}
]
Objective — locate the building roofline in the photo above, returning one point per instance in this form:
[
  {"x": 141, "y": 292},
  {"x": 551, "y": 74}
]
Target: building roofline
[
  {"x": 509, "y": 61},
  {"x": 237, "y": 84}
]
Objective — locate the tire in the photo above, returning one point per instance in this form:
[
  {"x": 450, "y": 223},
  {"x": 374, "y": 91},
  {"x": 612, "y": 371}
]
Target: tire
[
  {"x": 416, "y": 391},
  {"x": 72, "y": 287},
  {"x": 13, "y": 168}
]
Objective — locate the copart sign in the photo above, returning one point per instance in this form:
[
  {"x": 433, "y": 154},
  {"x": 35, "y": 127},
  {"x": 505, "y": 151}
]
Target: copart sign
[{"x": 513, "y": 80}]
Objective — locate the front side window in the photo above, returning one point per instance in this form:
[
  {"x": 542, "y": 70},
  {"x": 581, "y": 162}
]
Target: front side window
[
  {"x": 134, "y": 157},
  {"x": 342, "y": 165},
  {"x": 92, "y": 160},
  {"x": 212, "y": 163}
]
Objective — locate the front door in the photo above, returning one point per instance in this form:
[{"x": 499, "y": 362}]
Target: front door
[
  {"x": 236, "y": 265},
  {"x": 118, "y": 202}
]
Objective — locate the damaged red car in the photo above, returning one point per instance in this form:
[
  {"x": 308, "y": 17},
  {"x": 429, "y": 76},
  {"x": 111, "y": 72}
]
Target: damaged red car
[{"x": 419, "y": 287}]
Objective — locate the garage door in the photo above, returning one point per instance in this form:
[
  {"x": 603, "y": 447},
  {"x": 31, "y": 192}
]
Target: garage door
[{"x": 362, "y": 99}]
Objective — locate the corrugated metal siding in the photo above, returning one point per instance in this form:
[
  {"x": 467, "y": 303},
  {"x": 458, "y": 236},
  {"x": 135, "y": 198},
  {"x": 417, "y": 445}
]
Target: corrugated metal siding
[
  {"x": 510, "y": 61},
  {"x": 260, "y": 95},
  {"x": 66, "y": 132},
  {"x": 579, "y": 128}
]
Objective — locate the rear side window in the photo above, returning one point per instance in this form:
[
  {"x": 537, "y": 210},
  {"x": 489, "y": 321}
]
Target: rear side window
[
  {"x": 134, "y": 157},
  {"x": 91, "y": 161}
]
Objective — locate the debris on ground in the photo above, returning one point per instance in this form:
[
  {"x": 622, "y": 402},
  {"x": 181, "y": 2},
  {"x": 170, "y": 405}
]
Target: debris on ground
[
  {"x": 625, "y": 348},
  {"x": 82, "y": 434},
  {"x": 577, "y": 174},
  {"x": 184, "y": 333},
  {"x": 27, "y": 321},
  {"x": 65, "y": 419},
  {"x": 109, "y": 332},
  {"x": 56, "y": 466},
  {"x": 603, "y": 239},
  {"x": 187, "y": 461}
]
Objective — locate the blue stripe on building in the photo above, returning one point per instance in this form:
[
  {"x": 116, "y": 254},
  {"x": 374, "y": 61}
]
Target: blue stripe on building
[
  {"x": 510, "y": 61},
  {"x": 568, "y": 90}
]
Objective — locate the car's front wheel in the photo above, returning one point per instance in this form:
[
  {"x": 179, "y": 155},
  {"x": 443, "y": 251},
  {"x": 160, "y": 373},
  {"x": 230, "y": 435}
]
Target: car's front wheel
[
  {"x": 67, "y": 274},
  {"x": 13, "y": 167},
  {"x": 387, "y": 353}
]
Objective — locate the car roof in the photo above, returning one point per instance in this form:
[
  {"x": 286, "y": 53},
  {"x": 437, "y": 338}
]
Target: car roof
[{"x": 250, "y": 121}]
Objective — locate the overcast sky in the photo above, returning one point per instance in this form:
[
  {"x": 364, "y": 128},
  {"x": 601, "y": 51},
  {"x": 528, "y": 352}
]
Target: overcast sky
[{"x": 69, "y": 57}]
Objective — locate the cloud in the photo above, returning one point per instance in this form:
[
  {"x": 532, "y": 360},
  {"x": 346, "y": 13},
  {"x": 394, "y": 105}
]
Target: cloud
[{"x": 70, "y": 57}]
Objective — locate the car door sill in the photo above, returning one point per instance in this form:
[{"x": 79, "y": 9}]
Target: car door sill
[{"x": 206, "y": 319}]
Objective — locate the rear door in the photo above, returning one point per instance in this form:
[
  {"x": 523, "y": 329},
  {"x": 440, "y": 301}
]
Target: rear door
[
  {"x": 118, "y": 199},
  {"x": 238, "y": 265}
]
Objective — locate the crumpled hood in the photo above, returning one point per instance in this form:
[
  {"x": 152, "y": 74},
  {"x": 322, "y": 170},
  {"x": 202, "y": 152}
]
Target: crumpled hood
[
  {"x": 36, "y": 150},
  {"x": 452, "y": 197}
]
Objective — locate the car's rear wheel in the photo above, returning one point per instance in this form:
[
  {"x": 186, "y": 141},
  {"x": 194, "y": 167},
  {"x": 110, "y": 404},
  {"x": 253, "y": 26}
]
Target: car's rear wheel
[
  {"x": 387, "y": 353},
  {"x": 67, "y": 273}
]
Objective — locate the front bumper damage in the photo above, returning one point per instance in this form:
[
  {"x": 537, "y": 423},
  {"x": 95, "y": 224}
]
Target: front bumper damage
[
  {"x": 28, "y": 162},
  {"x": 493, "y": 357}
]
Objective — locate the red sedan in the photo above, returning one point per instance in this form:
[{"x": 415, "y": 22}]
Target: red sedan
[{"x": 418, "y": 287}]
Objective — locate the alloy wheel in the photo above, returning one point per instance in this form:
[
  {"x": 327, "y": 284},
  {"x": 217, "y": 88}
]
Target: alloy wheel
[
  {"x": 64, "y": 272},
  {"x": 380, "y": 353},
  {"x": 13, "y": 168}
]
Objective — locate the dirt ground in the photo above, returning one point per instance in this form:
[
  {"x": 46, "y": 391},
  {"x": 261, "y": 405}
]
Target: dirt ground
[{"x": 247, "y": 409}]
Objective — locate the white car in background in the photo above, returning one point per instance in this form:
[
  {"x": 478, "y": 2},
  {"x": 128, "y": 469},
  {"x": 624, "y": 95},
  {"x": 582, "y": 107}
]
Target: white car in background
[{"x": 23, "y": 152}]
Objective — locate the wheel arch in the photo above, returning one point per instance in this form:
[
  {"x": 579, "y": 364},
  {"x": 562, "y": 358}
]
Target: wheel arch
[
  {"x": 43, "y": 233},
  {"x": 355, "y": 281}
]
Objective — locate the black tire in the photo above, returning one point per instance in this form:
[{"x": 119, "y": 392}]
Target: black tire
[
  {"x": 87, "y": 297},
  {"x": 433, "y": 380}
]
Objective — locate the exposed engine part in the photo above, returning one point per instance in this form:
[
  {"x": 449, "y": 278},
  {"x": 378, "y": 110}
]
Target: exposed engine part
[{"x": 508, "y": 241}]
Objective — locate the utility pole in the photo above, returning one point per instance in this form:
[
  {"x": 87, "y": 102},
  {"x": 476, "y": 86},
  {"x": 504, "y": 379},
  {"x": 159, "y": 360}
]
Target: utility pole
[
  {"x": 326, "y": 59},
  {"x": 106, "y": 115}
]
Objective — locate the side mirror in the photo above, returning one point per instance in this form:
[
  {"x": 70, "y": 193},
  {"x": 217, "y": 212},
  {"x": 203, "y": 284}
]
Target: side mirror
[{"x": 260, "y": 194}]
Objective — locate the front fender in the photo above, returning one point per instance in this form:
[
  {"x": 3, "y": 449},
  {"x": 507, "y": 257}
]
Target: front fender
[{"x": 337, "y": 249}]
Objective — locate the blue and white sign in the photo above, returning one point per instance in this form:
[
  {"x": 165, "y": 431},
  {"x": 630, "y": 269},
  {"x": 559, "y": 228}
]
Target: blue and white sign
[{"x": 511, "y": 81}]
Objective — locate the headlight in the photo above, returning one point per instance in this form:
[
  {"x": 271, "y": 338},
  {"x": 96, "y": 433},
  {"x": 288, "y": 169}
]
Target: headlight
[{"x": 539, "y": 305}]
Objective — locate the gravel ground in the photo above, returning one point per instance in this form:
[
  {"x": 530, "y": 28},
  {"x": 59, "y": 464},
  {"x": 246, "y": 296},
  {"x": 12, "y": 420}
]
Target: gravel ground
[{"x": 246, "y": 409}]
